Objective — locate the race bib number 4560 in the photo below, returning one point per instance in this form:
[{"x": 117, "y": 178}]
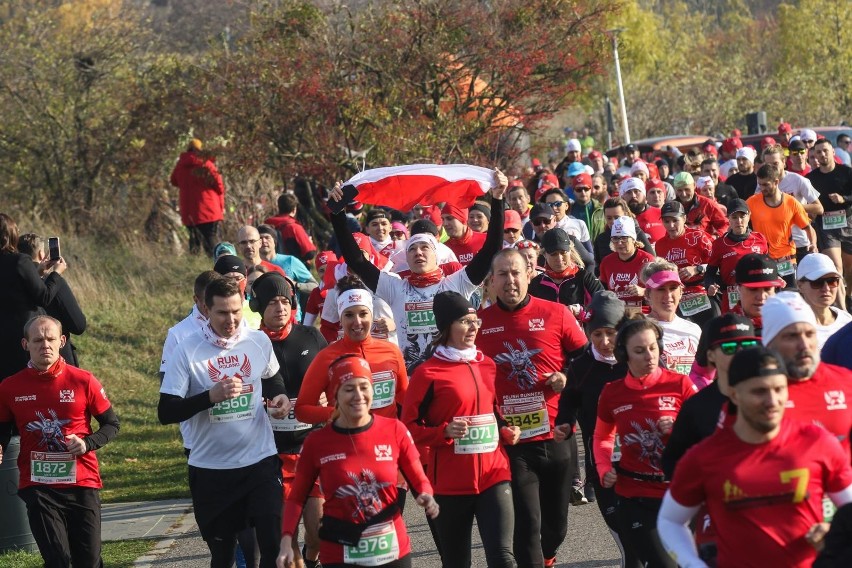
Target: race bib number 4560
[{"x": 233, "y": 409}]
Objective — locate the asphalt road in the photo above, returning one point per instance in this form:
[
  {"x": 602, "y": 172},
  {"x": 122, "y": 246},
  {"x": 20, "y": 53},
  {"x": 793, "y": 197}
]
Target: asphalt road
[{"x": 588, "y": 545}]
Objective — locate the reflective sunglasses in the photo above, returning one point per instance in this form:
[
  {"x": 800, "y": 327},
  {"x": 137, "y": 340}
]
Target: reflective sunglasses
[
  {"x": 731, "y": 347},
  {"x": 555, "y": 204},
  {"x": 832, "y": 281}
]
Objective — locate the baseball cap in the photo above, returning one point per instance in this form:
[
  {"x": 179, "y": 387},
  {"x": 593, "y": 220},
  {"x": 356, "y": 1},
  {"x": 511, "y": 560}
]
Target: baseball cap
[
  {"x": 814, "y": 266},
  {"x": 703, "y": 181},
  {"x": 755, "y": 362},
  {"x": 575, "y": 169},
  {"x": 683, "y": 179},
  {"x": 732, "y": 144},
  {"x": 726, "y": 328},
  {"x": 536, "y": 163},
  {"x": 623, "y": 227},
  {"x": 573, "y": 145},
  {"x": 672, "y": 209},
  {"x": 784, "y": 128},
  {"x": 631, "y": 184},
  {"x": 783, "y": 309},
  {"x": 630, "y": 148},
  {"x": 767, "y": 141},
  {"x": 583, "y": 180},
  {"x": 807, "y": 135},
  {"x": 660, "y": 279},
  {"x": 757, "y": 271},
  {"x": 594, "y": 155},
  {"x": 541, "y": 210},
  {"x": 554, "y": 240},
  {"x": 512, "y": 220},
  {"x": 797, "y": 145},
  {"x": 737, "y": 205}
]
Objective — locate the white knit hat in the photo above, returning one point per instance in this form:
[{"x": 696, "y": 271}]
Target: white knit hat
[{"x": 783, "y": 309}]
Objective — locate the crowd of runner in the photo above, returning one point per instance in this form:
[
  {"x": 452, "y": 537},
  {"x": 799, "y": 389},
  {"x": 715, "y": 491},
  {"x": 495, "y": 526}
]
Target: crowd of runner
[{"x": 684, "y": 319}]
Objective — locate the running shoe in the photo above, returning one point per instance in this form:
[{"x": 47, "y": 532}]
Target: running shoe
[{"x": 577, "y": 495}]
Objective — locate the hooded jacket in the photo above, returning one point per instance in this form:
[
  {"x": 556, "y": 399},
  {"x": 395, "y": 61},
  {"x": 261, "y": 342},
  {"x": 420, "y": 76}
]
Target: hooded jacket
[{"x": 202, "y": 193}]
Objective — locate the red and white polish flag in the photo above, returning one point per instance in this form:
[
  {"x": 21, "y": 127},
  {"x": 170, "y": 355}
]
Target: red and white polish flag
[{"x": 403, "y": 187}]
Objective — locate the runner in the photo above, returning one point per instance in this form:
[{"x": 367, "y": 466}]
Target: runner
[
  {"x": 620, "y": 271},
  {"x": 689, "y": 249},
  {"x": 728, "y": 249},
  {"x": 295, "y": 346},
  {"x": 650, "y": 221},
  {"x": 817, "y": 391},
  {"x": 377, "y": 225},
  {"x": 663, "y": 293},
  {"x": 451, "y": 408},
  {"x": 700, "y": 212},
  {"x": 531, "y": 340},
  {"x": 52, "y": 404},
  {"x": 410, "y": 299},
  {"x": 834, "y": 227},
  {"x": 578, "y": 403},
  {"x": 615, "y": 208},
  {"x": 463, "y": 241},
  {"x": 357, "y": 457},
  {"x": 557, "y": 200},
  {"x": 216, "y": 381},
  {"x": 390, "y": 379},
  {"x": 317, "y": 298},
  {"x": 773, "y": 214},
  {"x": 565, "y": 279},
  {"x": 819, "y": 282},
  {"x": 634, "y": 420},
  {"x": 745, "y": 180},
  {"x": 757, "y": 280},
  {"x": 585, "y": 208},
  {"x": 761, "y": 480}
]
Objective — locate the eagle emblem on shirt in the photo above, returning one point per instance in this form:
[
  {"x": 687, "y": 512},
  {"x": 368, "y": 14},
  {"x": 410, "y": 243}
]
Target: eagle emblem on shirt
[
  {"x": 649, "y": 442},
  {"x": 216, "y": 375},
  {"x": 365, "y": 489},
  {"x": 523, "y": 371}
]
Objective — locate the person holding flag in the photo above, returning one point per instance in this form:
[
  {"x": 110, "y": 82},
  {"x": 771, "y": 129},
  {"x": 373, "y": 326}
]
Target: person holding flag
[{"x": 411, "y": 298}]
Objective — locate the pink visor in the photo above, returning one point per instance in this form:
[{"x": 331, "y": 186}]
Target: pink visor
[{"x": 660, "y": 279}]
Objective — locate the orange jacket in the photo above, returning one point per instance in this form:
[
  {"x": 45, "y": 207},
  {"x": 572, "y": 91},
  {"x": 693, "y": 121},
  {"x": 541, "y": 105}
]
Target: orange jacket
[{"x": 385, "y": 360}]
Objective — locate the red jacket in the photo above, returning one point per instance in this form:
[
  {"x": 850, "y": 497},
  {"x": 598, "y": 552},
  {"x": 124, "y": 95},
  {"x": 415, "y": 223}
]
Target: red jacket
[
  {"x": 705, "y": 215},
  {"x": 439, "y": 391},
  {"x": 202, "y": 193}
]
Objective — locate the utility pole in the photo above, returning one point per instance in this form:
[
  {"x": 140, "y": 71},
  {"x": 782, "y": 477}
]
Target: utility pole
[{"x": 614, "y": 34}]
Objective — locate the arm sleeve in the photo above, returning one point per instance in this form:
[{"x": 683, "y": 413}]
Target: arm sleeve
[
  {"x": 5, "y": 434},
  {"x": 569, "y": 402},
  {"x": 109, "y": 426},
  {"x": 718, "y": 220},
  {"x": 711, "y": 276},
  {"x": 682, "y": 438},
  {"x": 800, "y": 218},
  {"x": 401, "y": 378},
  {"x": 273, "y": 386},
  {"x": 356, "y": 262},
  {"x": 42, "y": 292},
  {"x": 409, "y": 462},
  {"x": 414, "y": 410},
  {"x": 173, "y": 409},
  {"x": 314, "y": 384},
  {"x": 592, "y": 284},
  {"x": 65, "y": 308},
  {"x": 642, "y": 237},
  {"x": 306, "y": 474},
  {"x": 480, "y": 264},
  {"x": 585, "y": 251},
  {"x": 301, "y": 274},
  {"x": 675, "y": 535},
  {"x": 842, "y": 497}
]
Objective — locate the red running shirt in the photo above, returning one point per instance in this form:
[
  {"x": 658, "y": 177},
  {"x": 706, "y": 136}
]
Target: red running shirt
[
  {"x": 763, "y": 498},
  {"x": 825, "y": 400},
  {"x": 692, "y": 248},
  {"x": 467, "y": 246},
  {"x": 617, "y": 275},
  {"x": 357, "y": 470},
  {"x": 724, "y": 256},
  {"x": 528, "y": 344},
  {"x": 651, "y": 222},
  {"x": 632, "y": 409},
  {"x": 46, "y": 409}
]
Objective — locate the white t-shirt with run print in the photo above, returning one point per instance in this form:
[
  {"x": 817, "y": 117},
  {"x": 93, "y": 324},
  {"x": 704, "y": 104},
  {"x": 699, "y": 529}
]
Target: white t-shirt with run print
[
  {"x": 680, "y": 342},
  {"x": 234, "y": 433}
]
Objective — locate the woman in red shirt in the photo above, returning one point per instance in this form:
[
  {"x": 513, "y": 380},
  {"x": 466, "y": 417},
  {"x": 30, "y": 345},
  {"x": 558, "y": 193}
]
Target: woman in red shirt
[
  {"x": 635, "y": 419},
  {"x": 451, "y": 408},
  {"x": 356, "y": 458},
  {"x": 620, "y": 271}
]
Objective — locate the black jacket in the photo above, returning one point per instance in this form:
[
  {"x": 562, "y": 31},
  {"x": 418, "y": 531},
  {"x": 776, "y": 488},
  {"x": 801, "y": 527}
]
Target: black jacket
[
  {"x": 697, "y": 420},
  {"x": 65, "y": 308},
  {"x": 578, "y": 289}
]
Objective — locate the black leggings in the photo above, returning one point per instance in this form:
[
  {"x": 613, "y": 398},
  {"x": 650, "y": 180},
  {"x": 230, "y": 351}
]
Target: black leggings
[
  {"x": 268, "y": 533},
  {"x": 541, "y": 490},
  {"x": 404, "y": 562},
  {"x": 637, "y": 522},
  {"x": 494, "y": 517}
]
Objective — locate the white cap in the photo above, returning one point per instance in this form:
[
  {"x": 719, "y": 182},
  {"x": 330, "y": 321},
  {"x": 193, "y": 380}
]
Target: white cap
[
  {"x": 422, "y": 238},
  {"x": 573, "y": 145},
  {"x": 783, "y": 309},
  {"x": 726, "y": 167},
  {"x": 807, "y": 135},
  {"x": 631, "y": 183},
  {"x": 748, "y": 153},
  {"x": 814, "y": 266},
  {"x": 703, "y": 181},
  {"x": 624, "y": 227},
  {"x": 639, "y": 166},
  {"x": 590, "y": 170}
]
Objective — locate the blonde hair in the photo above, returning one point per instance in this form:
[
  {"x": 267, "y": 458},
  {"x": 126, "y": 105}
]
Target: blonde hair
[{"x": 659, "y": 264}]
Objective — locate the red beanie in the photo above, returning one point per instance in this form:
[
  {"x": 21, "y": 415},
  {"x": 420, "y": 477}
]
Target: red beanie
[{"x": 455, "y": 212}]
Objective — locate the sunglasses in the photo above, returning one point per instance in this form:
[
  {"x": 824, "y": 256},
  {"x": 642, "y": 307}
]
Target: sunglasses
[
  {"x": 832, "y": 281},
  {"x": 731, "y": 347},
  {"x": 556, "y": 204},
  {"x": 799, "y": 152},
  {"x": 538, "y": 222},
  {"x": 511, "y": 231}
]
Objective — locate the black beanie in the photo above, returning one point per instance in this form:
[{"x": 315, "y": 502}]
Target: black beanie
[
  {"x": 267, "y": 286},
  {"x": 605, "y": 310},
  {"x": 448, "y": 307},
  {"x": 229, "y": 263}
]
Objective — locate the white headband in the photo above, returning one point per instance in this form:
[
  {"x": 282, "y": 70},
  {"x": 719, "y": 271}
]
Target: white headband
[
  {"x": 354, "y": 297},
  {"x": 422, "y": 238}
]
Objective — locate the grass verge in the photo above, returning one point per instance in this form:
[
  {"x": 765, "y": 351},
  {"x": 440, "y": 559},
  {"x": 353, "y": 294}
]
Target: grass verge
[{"x": 120, "y": 554}]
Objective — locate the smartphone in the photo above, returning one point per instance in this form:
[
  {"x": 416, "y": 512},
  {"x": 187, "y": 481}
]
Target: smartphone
[
  {"x": 349, "y": 194},
  {"x": 53, "y": 247}
]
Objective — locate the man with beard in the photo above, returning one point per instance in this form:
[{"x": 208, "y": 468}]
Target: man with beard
[
  {"x": 724, "y": 192},
  {"x": 834, "y": 226},
  {"x": 633, "y": 191},
  {"x": 745, "y": 180},
  {"x": 599, "y": 188}
]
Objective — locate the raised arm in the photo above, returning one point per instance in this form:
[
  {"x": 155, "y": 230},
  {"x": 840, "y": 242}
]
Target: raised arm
[
  {"x": 479, "y": 266},
  {"x": 356, "y": 262}
]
